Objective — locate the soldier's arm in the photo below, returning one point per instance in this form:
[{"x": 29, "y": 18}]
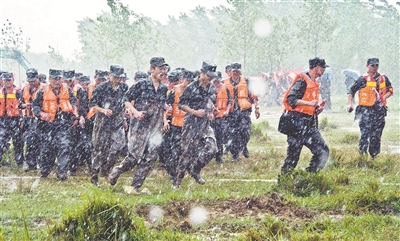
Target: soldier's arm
[
  {"x": 74, "y": 103},
  {"x": 389, "y": 87},
  {"x": 37, "y": 103},
  {"x": 358, "y": 84}
]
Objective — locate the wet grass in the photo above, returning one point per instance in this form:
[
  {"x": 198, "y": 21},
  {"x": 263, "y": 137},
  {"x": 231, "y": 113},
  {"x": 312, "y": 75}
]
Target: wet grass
[{"x": 356, "y": 198}]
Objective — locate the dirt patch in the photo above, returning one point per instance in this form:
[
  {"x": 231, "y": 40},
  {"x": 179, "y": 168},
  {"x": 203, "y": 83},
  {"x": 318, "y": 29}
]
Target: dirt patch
[{"x": 176, "y": 214}]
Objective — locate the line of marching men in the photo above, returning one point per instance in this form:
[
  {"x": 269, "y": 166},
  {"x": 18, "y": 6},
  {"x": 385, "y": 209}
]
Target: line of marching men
[{"x": 80, "y": 122}]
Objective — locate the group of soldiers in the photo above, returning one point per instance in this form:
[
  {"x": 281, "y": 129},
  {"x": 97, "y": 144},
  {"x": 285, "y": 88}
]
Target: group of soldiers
[{"x": 180, "y": 117}]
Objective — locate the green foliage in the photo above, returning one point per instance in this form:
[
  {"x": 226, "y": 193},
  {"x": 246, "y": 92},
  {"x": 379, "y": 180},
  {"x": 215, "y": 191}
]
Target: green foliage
[
  {"x": 302, "y": 183},
  {"x": 102, "y": 218},
  {"x": 259, "y": 131},
  {"x": 270, "y": 228},
  {"x": 350, "y": 138}
]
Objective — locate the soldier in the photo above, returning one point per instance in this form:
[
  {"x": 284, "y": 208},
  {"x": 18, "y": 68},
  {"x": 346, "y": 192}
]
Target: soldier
[
  {"x": 373, "y": 91},
  {"x": 32, "y": 135},
  {"x": 145, "y": 134},
  {"x": 57, "y": 109},
  {"x": 301, "y": 104},
  {"x": 198, "y": 139},
  {"x": 11, "y": 119},
  {"x": 108, "y": 133},
  {"x": 239, "y": 116},
  {"x": 69, "y": 79},
  {"x": 220, "y": 123},
  {"x": 325, "y": 87},
  {"x": 140, "y": 75}
]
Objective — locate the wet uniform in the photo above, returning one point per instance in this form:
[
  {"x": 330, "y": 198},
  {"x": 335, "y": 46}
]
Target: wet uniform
[
  {"x": 198, "y": 143},
  {"x": 108, "y": 131},
  {"x": 84, "y": 145},
  {"x": 55, "y": 135},
  {"x": 10, "y": 123},
  {"x": 371, "y": 116},
  {"x": 145, "y": 136},
  {"x": 310, "y": 135}
]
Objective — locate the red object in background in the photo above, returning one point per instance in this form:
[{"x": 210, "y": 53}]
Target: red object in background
[{"x": 322, "y": 104}]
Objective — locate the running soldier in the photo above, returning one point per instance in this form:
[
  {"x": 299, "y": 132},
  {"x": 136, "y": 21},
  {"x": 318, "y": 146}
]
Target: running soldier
[
  {"x": 108, "y": 133},
  {"x": 145, "y": 134},
  {"x": 198, "y": 139}
]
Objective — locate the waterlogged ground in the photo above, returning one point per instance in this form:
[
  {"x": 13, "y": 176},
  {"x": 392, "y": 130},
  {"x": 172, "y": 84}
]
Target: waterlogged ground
[{"x": 237, "y": 197}]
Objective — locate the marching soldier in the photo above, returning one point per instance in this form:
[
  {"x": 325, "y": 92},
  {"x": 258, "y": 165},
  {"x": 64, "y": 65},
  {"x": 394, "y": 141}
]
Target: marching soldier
[{"x": 57, "y": 109}]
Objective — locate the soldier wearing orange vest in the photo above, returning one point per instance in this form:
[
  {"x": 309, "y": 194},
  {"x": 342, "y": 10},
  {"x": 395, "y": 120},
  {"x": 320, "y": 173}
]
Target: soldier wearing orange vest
[
  {"x": 301, "y": 103},
  {"x": 57, "y": 109},
  {"x": 11, "y": 119},
  {"x": 32, "y": 153},
  {"x": 220, "y": 123},
  {"x": 373, "y": 91},
  {"x": 239, "y": 117}
]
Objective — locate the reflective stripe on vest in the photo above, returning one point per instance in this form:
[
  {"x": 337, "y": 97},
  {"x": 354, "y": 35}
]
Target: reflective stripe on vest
[
  {"x": 50, "y": 104},
  {"x": 9, "y": 103},
  {"x": 367, "y": 95},
  {"x": 242, "y": 92},
  {"x": 177, "y": 114},
  {"x": 311, "y": 93}
]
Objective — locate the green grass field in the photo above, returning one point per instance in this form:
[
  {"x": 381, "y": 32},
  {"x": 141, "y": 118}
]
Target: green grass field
[{"x": 353, "y": 198}]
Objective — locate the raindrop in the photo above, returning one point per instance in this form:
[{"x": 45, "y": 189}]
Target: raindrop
[
  {"x": 198, "y": 215},
  {"x": 262, "y": 27}
]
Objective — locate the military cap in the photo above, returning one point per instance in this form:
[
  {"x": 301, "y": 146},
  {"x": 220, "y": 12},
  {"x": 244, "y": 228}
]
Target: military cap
[
  {"x": 218, "y": 77},
  {"x": 209, "y": 68},
  {"x": 157, "y": 61},
  {"x": 68, "y": 74},
  {"x": 228, "y": 67},
  {"x": 42, "y": 78},
  {"x": 2, "y": 71},
  {"x": 84, "y": 79},
  {"x": 126, "y": 76},
  {"x": 78, "y": 75},
  {"x": 55, "y": 73},
  {"x": 117, "y": 70},
  {"x": 372, "y": 61},
  {"x": 141, "y": 75},
  {"x": 31, "y": 75},
  {"x": 188, "y": 75},
  {"x": 7, "y": 76},
  {"x": 236, "y": 66},
  {"x": 314, "y": 62},
  {"x": 173, "y": 76},
  {"x": 101, "y": 74}
]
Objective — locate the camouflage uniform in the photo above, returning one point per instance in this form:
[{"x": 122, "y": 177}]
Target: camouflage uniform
[
  {"x": 108, "y": 133},
  {"x": 145, "y": 136},
  {"x": 198, "y": 143}
]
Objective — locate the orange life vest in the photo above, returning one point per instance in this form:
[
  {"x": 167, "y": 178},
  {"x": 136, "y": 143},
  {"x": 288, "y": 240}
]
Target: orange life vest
[
  {"x": 222, "y": 101},
  {"x": 177, "y": 114},
  {"x": 367, "y": 95},
  {"x": 311, "y": 93},
  {"x": 27, "y": 96},
  {"x": 9, "y": 103},
  {"x": 50, "y": 104},
  {"x": 91, "y": 112},
  {"x": 242, "y": 92}
]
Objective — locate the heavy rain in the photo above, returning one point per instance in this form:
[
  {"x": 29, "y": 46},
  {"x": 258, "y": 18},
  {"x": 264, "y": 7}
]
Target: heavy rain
[{"x": 186, "y": 120}]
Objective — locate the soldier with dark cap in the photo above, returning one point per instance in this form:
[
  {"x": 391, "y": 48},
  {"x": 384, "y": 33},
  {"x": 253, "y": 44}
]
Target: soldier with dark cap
[
  {"x": 145, "y": 134},
  {"x": 29, "y": 92},
  {"x": 301, "y": 105},
  {"x": 174, "y": 79},
  {"x": 239, "y": 117},
  {"x": 373, "y": 90},
  {"x": 108, "y": 133},
  {"x": 220, "y": 123},
  {"x": 139, "y": 75},
  {"x": 175, "y": 126},
  {"x": 57, "y": 109},
  {"x": 198, "y": 139},
  {"x": 42, "y": 78},
  {"x": 11, "y": 119}
]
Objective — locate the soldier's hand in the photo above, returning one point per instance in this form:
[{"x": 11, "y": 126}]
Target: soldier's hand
[
  {"x": 313, "y": 102},
  {"x": 350, "y": 108},
  {"x": 82, "y": 121},
  {"x": 127, "y": 114},
  {"x": 107, "y": 112},
  {"x": 139, "y": 114},
  {"x": 166, "y": 127},
  {"x": 168, "y": 108},
  {"x": 75, "y": 124},
  {"x": 257, "y": 112},
  {"x": 199, "y": 113},
  {"x": 45, "y": 116}
]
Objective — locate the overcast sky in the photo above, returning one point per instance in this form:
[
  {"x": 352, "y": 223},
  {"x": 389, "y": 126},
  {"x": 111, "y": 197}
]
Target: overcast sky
[{"x": 54, "y": 22}]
